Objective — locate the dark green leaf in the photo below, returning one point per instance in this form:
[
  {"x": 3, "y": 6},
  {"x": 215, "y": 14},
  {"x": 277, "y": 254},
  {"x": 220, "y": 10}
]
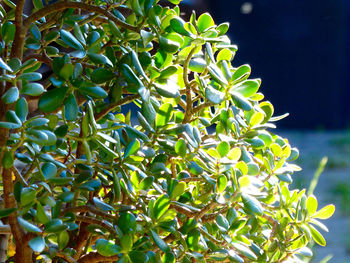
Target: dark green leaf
[
  {"x": 102, "y": 205},
  {"x": 94, "y": 91},
  {"x": 52, "y": 99},
  {"x": 107, "y": 248},
  {"x": 101, "y": 75},
  {"x": 160, "y": 242},
  {"x": 70, "y": 40},
  {"x": 71, "y": 108}
]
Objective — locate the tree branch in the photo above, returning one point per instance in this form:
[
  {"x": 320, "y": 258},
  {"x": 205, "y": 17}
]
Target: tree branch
[
  {"x": 53, "y": 8},
  {"x": 91, "y": 209},
  {"x": 94, "y": 257},
  {"x": 111, "y": 106}
]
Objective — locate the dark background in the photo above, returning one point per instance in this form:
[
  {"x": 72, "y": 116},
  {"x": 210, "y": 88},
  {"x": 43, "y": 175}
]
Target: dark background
[{"x": 300, "y": 50}]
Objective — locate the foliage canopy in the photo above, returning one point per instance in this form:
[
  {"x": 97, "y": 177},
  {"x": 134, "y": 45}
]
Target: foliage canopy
[{"x": 193, "y": 175}]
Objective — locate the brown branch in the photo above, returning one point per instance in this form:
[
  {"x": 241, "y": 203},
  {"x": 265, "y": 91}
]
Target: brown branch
[
  {"x": 211, "y": 217},
  {"x": 43, "y": 58},
  {"x": 192, "y": 179},
  {"x": 66, "y": 257},
  {"x": 94, "y": 257},
  {"x": 205, "y": 209},
  {"x": 91, "y": 209},
  {"x": 202, "y": 106},
  {"x": 111, "y": 106},
  {"x": 93, "y": 220},
  {"x": 189, "y": 105},
  {"x": 53, "y": 8},
  {"x": 18, "y": 42}
]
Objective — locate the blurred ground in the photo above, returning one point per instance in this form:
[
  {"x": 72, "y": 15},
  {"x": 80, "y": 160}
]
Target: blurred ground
[{"x": 333, "y": 186}]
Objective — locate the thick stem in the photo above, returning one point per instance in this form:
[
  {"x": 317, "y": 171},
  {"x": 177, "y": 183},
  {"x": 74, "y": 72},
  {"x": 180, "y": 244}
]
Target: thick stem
[
  {"x": 56, "y": 7},
  {"x": 94, "y": 257}
]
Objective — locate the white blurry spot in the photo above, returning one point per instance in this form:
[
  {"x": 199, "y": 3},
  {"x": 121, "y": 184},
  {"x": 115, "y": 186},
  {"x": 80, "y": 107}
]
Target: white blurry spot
[{"x": 246, "y": 8}]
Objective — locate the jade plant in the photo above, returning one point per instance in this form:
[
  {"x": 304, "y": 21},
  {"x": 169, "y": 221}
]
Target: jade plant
[{"x": 127, "y": 135}]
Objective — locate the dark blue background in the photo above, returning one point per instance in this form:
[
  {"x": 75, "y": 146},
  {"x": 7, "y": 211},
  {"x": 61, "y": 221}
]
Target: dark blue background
[{"x": 300, "y": 49}]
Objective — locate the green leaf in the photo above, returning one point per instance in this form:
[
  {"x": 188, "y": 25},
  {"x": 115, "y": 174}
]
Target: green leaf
[
  {"x": 127, "y": 222},
  {"x": 146, "y": 183},
  {"x": 22, "y": 109},
  {"x": 222, "y": 222},
  {"x": 7, "y": 160},
  {"x": 178, "y": 190},
  {"x": 240, "y": 101},
  {"x": 217, "y": 74},
  {"x": 71, "y": 108},
  {"x": 161, "y": 205},
  {"x": 63, "y": 239},
  {"x": 325, "y": 212},
  {"x": 223, "y": 148},
  {"x": 178, "y": 25},
  {"x": 38, "y": 4},
  {"x": 160, "y": 242},
  {"x": 204, "y": 22},
  {"x": 52, "y": 99},
  {"x": 107, "y": 248},
  {"x": 55, "y": 226},
  {"x": 11, "y": 95},
  {"x": 28, "y": 195},
  {"x": 244, "y": 250},
  {"x": 247, "y": 88},
  {"x": 30, "y": 76},
  {"x": 94, "y": 91},
  {"x": 132, "y": 148},
  {"x": 4, "y": 66},
  {"x": 168, "y": 45},
  {"x": 311, "y": 205},
  {"x": 213, "y": 95},
  {"x": 197, "y": 65},
  {"x": 102, "y": 205},
  {"x": 78, "y": 34},
  {"x": 28, "y": 226},
  {"x": 101, "y": 75},
  {"x": 164, "y": 115},
  {"x": 100, "y": 59},
  {"x": 7, "y": 211},
  {"x": 168, "y": 91},
  {"x": 66, "y": 197},
  {"x": 252, "y": 204},
  {"x": 224, "y": 54},
  {"x": 70, "y": 40},
  {"x": 137, "y": 65},
  {"x": 32, "y": 89},
  {"x": 181, "y": 147},
  {"x": 131, "y": 76},
  {"x": 49, "y": 170},
  {"x": 221, "y": 183},
  {"x": 168, "y": 257},
  {"x": 41, "y": 214},
  {"x": 317, "y": 236},
  {"x": 66, "y": 72},
  {"x": 37, "y": 244}
]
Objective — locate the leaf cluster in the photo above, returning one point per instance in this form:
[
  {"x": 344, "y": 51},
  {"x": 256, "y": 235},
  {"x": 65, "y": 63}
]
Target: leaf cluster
[{"x": 195, "y": 174}]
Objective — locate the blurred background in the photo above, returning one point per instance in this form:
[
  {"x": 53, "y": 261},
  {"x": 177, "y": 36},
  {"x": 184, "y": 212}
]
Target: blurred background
[{"x": 301, "y": 51}]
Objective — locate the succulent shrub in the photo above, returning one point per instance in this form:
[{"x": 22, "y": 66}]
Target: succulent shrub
[{"x": 127, "y": 135}]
